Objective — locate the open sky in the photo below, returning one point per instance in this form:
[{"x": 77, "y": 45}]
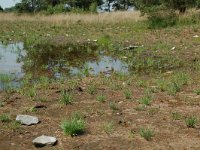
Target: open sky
[{"x": 8, "y": 3}]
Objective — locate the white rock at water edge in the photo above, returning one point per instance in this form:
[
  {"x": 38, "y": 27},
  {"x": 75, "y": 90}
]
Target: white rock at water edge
[
  {"x": 27, "y": 120},
  {"x": 44, "y": 141}
]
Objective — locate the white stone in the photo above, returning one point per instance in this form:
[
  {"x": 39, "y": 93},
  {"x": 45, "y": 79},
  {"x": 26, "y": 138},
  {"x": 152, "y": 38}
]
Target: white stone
[
  {"x": 195, "y": 36},
  {"x": 27, "y": 120},
  {"x": 44, "y": 141}
]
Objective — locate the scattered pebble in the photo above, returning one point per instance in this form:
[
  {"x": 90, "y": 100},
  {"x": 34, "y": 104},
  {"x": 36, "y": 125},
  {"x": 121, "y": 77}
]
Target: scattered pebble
[
  {"x": 173, "y": 48},
  {"x": 195, "y": 36}
]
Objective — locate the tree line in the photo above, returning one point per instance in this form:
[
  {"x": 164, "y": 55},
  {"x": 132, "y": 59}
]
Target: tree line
[{"x": 91, "y": 5}]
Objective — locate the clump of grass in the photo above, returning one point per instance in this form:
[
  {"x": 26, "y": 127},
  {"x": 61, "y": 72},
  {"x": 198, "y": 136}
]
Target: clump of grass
[
  {"x": 116, "y": 86},
  {"x": 44, "y": 81},
  {"x": 173, "y": 88},
  {"x": 92, "y": 89},
  {"x": 161, "y": 84},
  {"x": 176, "y": 116},
  {"x": 72, "y": 84},
  {"x": 1, "y": 103},
  {"x": 181, "y": 78},
  {"x": 146, "y": 99},
  {"x": 113, "y": 106},
  {"x": 197, "y": 91},
  {"x": 127, "y": 94},
  {"x": 74, "y": 126},
  {"x": 33, "y": 109},
  {"x": 14, "y": 125},
  {"x": 66, "y": 97},
  {"x": 4, "y": 78},
  {"x": 108, "y": 127},
  {"x": 146, "y": 133},
  {"x": 31, "y": 92},
  {"x": 173, "y": 85},
  {"x": 4, "y": 118},
  {"x": 101, "y": 98},
  {"x": 141, "y": 83},
  {"x": 191, "y": 121},
  {"x": 86, "y": 71}
]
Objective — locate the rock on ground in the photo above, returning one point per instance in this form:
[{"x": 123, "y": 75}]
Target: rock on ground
[
  {"x": 27, "y": 120},
  {"x": 44, "y": 141}
]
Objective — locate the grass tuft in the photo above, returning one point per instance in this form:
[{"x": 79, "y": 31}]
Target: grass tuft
[
  {"x": 191, "y": 121},
  {"x": 74, "y": 126},
  {"x": 146, "y": 133},
  {"x": 66, "y": 98}
]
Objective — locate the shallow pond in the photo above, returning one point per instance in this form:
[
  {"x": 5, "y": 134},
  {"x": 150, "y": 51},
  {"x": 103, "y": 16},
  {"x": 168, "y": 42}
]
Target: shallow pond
[{"x": 15, "y": 62}]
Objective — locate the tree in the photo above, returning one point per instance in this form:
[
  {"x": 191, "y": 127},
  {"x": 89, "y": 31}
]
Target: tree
[
  {"x": 122, "y": 4},
  {"x": 180, "y": 5},
  {"x": 83, "y": 4},
  {"x": 1, "y": 9},
  {"x": 31, "y": 5},
  {"x": 53, "y": 3}
]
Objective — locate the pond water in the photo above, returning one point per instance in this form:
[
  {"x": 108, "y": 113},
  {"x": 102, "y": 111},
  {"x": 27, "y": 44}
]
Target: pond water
[{"x": 15, "y": 62}]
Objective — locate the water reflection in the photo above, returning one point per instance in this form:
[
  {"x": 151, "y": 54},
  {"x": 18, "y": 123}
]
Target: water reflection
[
  {"x": 10, "y": 66},
  {"x": 63, "y": 61}
]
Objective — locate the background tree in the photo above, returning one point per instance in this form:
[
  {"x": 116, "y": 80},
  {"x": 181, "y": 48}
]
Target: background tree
[
  {"x": 180, "y": 5},
  {"x": 83, "y": 4},
  {"x": 1, "y": 9}
]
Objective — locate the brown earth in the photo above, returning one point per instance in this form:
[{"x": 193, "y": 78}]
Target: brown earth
[{"x": 169, "y": 133}]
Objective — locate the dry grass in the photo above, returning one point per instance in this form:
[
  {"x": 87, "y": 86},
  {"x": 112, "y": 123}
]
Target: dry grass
[{"x": 74, "y": 18}]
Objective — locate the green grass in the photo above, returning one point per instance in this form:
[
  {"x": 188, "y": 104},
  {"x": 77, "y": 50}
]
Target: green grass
[
  {"x": 92, "y": 89},
  {"x": 197, "y": 91},
  {"x": 31, "y": 92},
  {"x": 146, "y": 100},
  {"x": 101, "y": 98},
  {"x": 146, "y": 133},
  {"x": 44, "y": 81},
  {"x": 5, "y": 78},
  {"x": 66, "y": 98},
  {"x": 127, "y": 94},
  {"x": 108, "y": 127},
  {"x": 1, "y": 103},
  {"x": 14, "y": 125},
  {"x": 191, "y": 121},
  {"x": 4, "y": 118},
  {"x": 74, "y": 126}
]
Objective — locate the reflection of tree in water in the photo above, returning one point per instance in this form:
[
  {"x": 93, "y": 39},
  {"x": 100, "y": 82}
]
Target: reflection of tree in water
[{"x": 50, "y": 59}]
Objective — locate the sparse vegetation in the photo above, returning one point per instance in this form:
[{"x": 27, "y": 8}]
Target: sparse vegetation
[
  {"x": 108, "y": 127},
  {"x": 176, "y": 116},
  {"x": 66, "y": 97},
  {"x": 113, "y": 106},
  {"x": 101, "y": 98},
  {"x": 146, "y": 99},
  {"x": 197, "y": 91},
  {"x": 146, "y": 133},
  {"x": 127, "y": 94},
  {"x": 92, "y": 89},
  {"x": 119, "y": 73},
  {"x": 4, "y": 118}
]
